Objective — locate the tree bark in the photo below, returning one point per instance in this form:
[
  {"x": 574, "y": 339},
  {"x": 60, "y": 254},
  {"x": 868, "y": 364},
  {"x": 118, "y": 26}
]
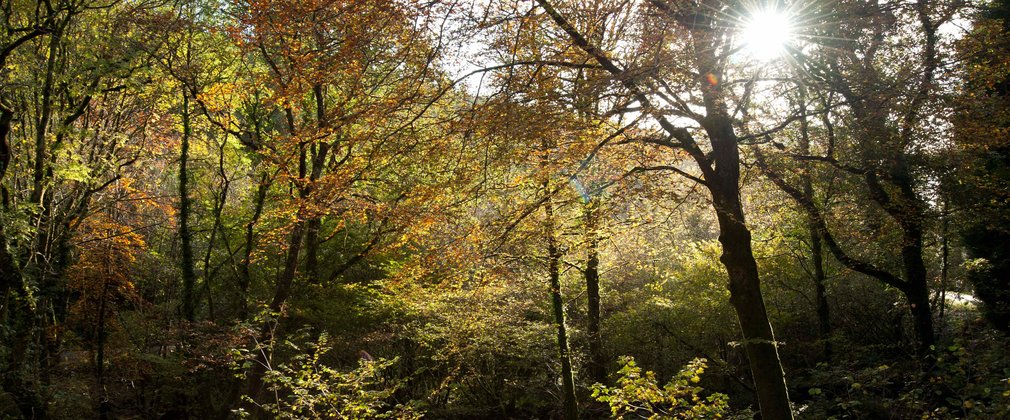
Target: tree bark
[
  {"x": 282, "y": 290},
  {"x": 45, "y": 115},
  {"x": 737, "y": 255},
  {"x": 820, "y": 292},
  {"x": 816, "y": 246},
  {"x": 188, "y": 270},
  {"x": 250, "y": 238},
  {"x": 745, "y": 296},
  {"x": 10, "y": 278},
  {"x": 571, "y": 409},
  {"x": 597, "y": 360},
  {"x": 6, "y": 117},
  {"x": 944, "y": 262},
  {"x": 917, "y": 291},
  {"x": 220, "y": 201},
  {"x": 315, "y": 223}
]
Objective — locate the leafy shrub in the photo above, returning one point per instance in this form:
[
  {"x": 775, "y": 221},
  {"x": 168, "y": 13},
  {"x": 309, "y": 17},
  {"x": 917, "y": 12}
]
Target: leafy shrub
[
  {"x": 970, "y": 379},
  {"x": 639, "y": 395},
  {"x": 306, "y": 388}
]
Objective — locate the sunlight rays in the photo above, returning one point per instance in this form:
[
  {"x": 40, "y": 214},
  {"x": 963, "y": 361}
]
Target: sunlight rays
[{"x": 766, "y": 33}]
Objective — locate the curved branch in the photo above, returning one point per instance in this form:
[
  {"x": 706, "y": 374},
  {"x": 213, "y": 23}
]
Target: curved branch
[
  {"x": 682, "y": 135},
  {"x": 817, "y": 219}
]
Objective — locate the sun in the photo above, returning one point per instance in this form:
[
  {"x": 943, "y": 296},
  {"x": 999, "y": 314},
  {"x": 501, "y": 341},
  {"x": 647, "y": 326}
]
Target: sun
[{"x": 766, "y": 33}]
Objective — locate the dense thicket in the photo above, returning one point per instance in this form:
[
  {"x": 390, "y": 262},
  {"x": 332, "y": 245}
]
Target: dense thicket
[{"x": 508, "y": 209}]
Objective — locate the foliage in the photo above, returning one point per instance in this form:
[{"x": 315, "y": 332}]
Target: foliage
[
  {"x": 375, "y": 175},
  {"x": 304, "y": 387},
  {"x": 101, "y": 279},
  {"x": 980, "y": 186},
  {"x": 638, "y": 394},
  {"x": 485, "y": 354},
  {"x": 670, "y": 311},
  {"x": 969, "y": 380}
]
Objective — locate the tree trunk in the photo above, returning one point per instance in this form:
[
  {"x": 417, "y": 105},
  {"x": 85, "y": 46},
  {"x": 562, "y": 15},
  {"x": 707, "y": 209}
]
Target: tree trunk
[
  {"x": 597, "y": 360},
  {"x": 944, "y": 263},
  {"x": 744, "y": 281},
  {"x": 571, "y": 409},
  {"x": 820, "y": 293},
  {"x": 10, "y": 278},
  {"x": 45, "y": 116},
  {"x": 281, "y": 294},
  {"x": 907, "y": 210},
  {"x": 246, "y": 277},
  {"x": 6, "y": 117},
  {"x": 314, "y": 223},
  {"x": 745, "y": 296},
  {"x": 816, "y": 246},
  {"x": 312, "y": 227},
  {"x": 282, "y": 290},
  {"x": 917, "y": 291},
  {"x": 188, "y": 270},
  {"x": 220, "y": 201}
]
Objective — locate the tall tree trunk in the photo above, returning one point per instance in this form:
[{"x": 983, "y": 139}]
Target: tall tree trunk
[
  {"x": 10, "y": 278},
  {"x": 906, "y": 209},
  {"x": 45, "y": 115},
  {"x": 314, "y": 223},
  {"x": 816, "y": 246},
  {"x": 745, "y": 296},
  {"x": 219, "y": 204},
  {"x": 723, "y": 183},
  {"x": 597, "y": 360},
  {"x": 917, "y": 291},
  {"x": 820, "y": 293},
  {"x": 246, "y": 276},
  {"x": 281, "y": 293},
  {"x": 48, "y": 285},
  {"x": 571, "y": 409},
  {"x": 312, "y": 227},
  {"x": 910, "y": 216},
  {"x": 884, "y": 150},
  {"x": 6, "y": 117},
  {"x": 282, "y": 290},
  {"x": 188, "y": 270},
  {"x": 944, "y": 263}
]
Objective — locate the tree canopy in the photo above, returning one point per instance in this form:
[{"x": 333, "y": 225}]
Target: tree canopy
[{"x": 504, "y": 209}]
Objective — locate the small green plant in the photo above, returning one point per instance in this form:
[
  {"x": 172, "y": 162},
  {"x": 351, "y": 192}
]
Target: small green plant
[
  {"x": 638, "y": 394},
  {"x": 305, "y": 388}
]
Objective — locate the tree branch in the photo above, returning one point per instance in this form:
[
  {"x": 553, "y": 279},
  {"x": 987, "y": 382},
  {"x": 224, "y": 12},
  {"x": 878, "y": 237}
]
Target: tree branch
[{"x": 817, "y": 218}]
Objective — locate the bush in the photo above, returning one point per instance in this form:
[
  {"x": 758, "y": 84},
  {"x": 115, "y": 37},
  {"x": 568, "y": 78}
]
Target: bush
[
  {"x": 639, "y": 395},
  {"x": 306, "y": 388}
]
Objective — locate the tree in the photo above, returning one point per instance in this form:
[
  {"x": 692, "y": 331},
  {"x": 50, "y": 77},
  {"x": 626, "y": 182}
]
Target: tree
[
  {"x": 102, "y": 279},
  {"x": 59, "y": 153},
  {"x": 885, "y": 109},
  {"x": 978, "y": 187},
  {"x": 558, "y": 307},
  {"x": 349, "y": 100},
  {"x": 720, "y": 172}
]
